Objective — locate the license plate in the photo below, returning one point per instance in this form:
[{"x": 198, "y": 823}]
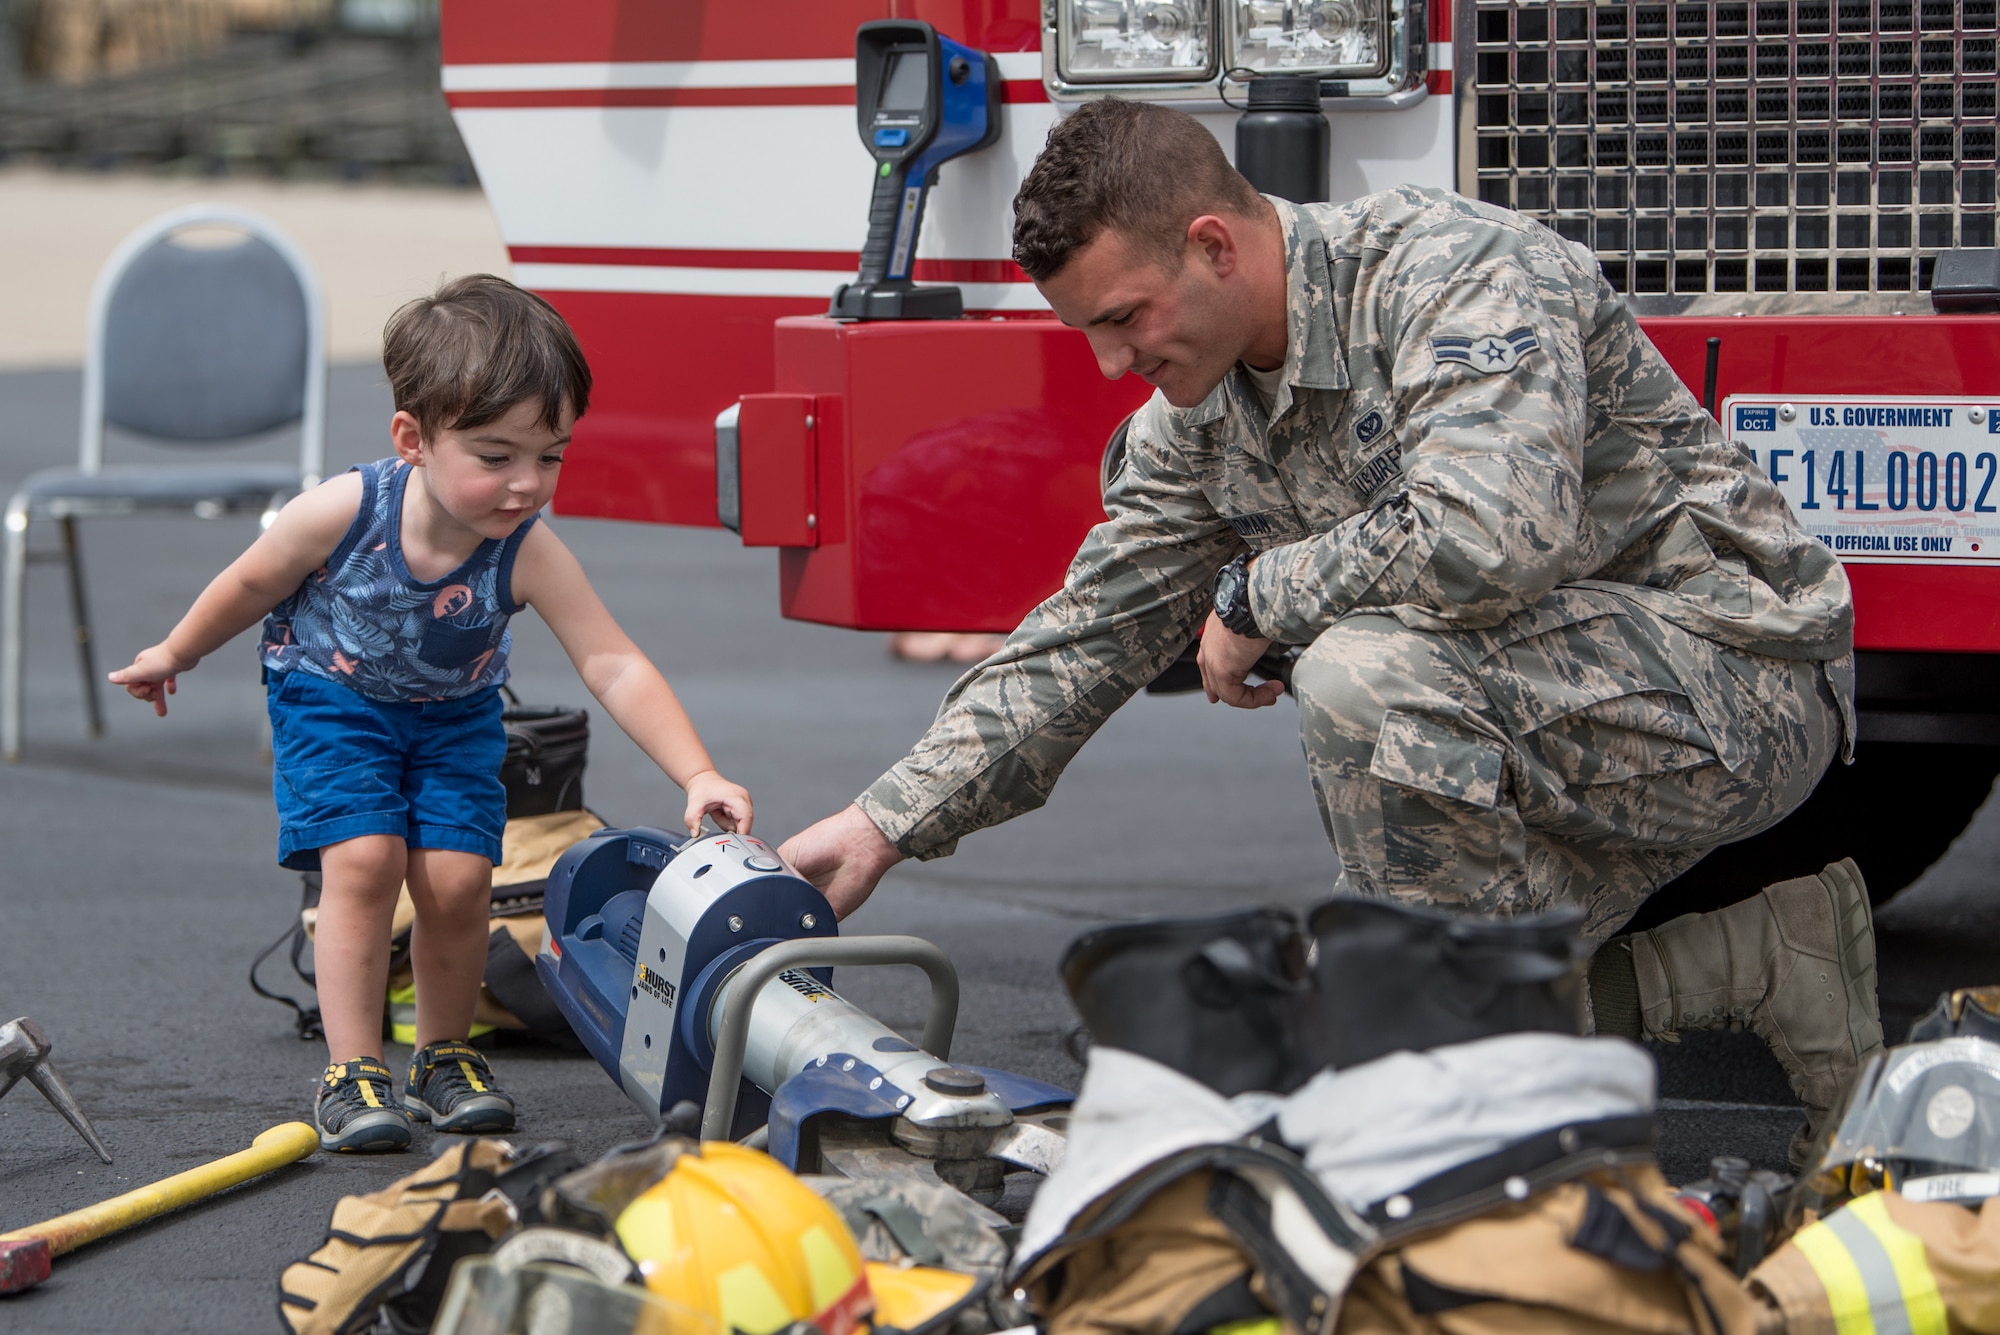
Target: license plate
[{"x": 1894, "y": 480}]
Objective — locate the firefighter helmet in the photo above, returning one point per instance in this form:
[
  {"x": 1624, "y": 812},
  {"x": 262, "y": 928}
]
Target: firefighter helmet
[
  {"x": 731, "y": 1232},
  {"x": 918, "y": 1298},
  {"x": 1923, "y": 1120},
  {"x": 1969, "y": 1012}
]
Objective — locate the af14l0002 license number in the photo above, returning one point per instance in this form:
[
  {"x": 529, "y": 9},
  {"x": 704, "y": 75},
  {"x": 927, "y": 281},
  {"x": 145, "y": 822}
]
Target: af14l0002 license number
[{"x": 1881, "y": 479}]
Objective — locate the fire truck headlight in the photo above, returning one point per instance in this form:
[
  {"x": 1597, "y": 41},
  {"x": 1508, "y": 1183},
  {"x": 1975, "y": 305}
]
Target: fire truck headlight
[
  {"x": 1129, "y": 41},
  {"x": 1338, "y": 38}
]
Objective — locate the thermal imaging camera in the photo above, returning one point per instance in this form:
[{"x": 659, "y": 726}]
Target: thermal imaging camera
[{"x": 920, "y": 100}]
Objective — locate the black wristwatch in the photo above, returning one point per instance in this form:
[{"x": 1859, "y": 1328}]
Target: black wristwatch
[{"x": 1232, "y": 598}]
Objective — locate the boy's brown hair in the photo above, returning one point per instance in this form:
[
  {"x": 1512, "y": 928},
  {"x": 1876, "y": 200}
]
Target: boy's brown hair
[
  {"x": 468, "y": 353},
  {"x": 1141, "y": 170}
]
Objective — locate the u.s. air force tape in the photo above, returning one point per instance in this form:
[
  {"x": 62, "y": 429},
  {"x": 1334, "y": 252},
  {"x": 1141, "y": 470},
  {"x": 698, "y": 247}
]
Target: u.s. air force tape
[{"x": 1487, "y": 353}]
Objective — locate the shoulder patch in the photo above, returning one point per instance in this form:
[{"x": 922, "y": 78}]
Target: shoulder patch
[
  {"x": 1368, "y": 428},
  {"x": 1487, "y": 353}
]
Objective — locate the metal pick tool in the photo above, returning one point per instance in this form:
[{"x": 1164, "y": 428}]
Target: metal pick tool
[{"x": 24, "y": 1050}]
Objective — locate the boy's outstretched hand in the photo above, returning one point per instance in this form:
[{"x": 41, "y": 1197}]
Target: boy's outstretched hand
[
  {"x": 152, "y": 677},
  {"x": 709, "y": 794}
]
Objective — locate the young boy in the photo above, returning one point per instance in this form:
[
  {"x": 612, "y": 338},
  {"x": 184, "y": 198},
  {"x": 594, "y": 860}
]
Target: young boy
[{"x": 385, "y": 594}]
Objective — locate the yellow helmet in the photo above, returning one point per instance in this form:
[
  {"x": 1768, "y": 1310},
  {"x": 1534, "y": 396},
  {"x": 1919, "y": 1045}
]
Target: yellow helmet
[
  {"x": 911, "y": 1297},
  {"x": 730, "y": 1231}
]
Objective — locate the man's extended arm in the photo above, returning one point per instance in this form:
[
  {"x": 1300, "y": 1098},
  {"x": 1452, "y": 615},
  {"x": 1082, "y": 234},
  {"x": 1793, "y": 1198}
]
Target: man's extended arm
[
  {"x": 1130, "y": 602},
  {"x": 1486, "y": 519}
]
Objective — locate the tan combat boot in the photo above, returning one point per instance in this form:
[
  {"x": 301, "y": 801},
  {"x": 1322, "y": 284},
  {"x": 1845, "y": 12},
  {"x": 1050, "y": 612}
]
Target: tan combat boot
[{"x": 1795, "y": 964}]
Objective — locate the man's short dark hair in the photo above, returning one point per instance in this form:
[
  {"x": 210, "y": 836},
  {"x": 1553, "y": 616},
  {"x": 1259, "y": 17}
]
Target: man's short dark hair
[
  {"x": 1141, "y": 170},
  {"x": 470, "y": 352}
]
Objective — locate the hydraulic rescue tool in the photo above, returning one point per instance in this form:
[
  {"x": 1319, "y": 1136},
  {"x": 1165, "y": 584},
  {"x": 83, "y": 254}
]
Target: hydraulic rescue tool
[{"x": 700, "y": 969}]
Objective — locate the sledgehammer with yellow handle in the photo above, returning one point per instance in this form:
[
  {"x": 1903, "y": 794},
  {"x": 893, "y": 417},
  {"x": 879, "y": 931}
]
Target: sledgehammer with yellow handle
[{"x": 25, "y": 1253}]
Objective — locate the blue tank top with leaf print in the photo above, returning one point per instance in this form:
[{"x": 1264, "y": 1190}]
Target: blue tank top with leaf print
[{"x": 362, "y": 620}]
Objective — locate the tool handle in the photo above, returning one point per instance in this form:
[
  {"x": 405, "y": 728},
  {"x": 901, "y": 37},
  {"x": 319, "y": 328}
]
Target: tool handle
[
  {"x": 272, "y": 1150},
  {"x": 725, "y": 1073},
  {"x": 885, "y": 217}
]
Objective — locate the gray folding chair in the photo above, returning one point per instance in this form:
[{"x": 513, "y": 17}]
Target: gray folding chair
[{"x": 190, "y": 347}]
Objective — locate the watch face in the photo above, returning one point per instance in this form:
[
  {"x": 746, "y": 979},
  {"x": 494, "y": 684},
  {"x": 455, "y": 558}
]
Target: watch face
[{"x": 1232, "y": 598}]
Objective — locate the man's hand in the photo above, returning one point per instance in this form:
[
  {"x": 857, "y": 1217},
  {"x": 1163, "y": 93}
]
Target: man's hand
[
  {"x": 1225, "y": 659},
  {"x": 844, "y": 855}
]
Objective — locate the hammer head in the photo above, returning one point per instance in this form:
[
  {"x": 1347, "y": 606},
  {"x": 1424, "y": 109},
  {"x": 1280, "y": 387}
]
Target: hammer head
[
  {"x": 24, "y": 1263},
  {"x": 23, "y": 1045},
  {"x": 24, "y": 1051}
]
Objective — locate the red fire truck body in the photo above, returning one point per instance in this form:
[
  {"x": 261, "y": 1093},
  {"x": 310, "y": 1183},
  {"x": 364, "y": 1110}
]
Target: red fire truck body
[
  {"x": 677, "y": 178},
  {"x": 685, "y": 182}
]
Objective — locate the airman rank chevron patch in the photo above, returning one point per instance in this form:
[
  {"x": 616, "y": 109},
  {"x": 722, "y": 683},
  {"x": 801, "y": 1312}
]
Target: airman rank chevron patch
[{"x": 1487, "y": 352}]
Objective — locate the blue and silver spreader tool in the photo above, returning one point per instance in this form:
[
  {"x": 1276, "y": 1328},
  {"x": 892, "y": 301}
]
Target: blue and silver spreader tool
[{"x": 701, "y": 969}]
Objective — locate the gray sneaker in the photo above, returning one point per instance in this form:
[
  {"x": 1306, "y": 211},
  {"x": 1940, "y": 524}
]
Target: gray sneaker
[
  {"x": 356, "y": 1108},
  {"x": 452, "y": 1088}
]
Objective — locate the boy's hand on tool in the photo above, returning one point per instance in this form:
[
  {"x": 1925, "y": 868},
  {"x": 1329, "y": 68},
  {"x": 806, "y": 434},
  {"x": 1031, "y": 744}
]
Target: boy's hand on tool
[
  {"x": 709, "y": 794},
  {"x": 152, "y": 677}
]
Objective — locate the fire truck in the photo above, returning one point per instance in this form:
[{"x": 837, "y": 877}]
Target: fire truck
[{"x": 1797, "y": 197}]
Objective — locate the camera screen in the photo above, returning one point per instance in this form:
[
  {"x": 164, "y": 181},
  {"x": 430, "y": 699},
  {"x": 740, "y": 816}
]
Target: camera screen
[{"x": 905, "y": 84}]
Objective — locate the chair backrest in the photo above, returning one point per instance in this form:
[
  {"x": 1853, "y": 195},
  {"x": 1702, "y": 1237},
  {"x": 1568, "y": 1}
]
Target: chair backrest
[{"x": 201, "y": 345}]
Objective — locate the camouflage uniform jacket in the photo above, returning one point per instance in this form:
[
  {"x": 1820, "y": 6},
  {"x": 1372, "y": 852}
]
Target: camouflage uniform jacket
[{"x": 1469, "y": 417}]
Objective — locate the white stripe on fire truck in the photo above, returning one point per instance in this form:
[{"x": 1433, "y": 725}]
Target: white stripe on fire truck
[
  {"x": 564, "y": 76},
  {"x": 663, "y": 280},
  {"x": 649, "y": 74}
]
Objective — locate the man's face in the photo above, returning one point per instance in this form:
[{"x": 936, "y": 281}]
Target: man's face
[{"x": 1172, "y": 329}]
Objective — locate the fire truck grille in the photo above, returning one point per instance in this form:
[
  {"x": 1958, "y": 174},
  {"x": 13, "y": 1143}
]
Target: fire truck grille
[{"x": 1780, "y": 146}]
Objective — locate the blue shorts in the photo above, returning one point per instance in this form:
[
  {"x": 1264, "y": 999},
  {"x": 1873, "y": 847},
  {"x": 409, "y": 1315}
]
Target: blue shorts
[{"x": 345, "y": 765}]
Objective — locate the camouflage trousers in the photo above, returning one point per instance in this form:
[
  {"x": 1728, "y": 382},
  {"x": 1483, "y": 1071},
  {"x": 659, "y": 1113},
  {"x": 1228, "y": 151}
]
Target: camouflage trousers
[{"x": 1584, "y": 752}]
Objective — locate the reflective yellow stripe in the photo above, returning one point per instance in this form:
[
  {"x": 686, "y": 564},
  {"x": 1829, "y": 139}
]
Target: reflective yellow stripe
[
  {"x": 1846, "y": 1293},
  {"x": 403, "y": 1015},
  {"x": 471, "y": 1078},
  {"x": 829, "y": 1273},
  {"x": 1876, "y": 1277},
  {"x": 1252, "y": 1325},
  {"x": 747, "y": 1300},
  {"x": 1914, "y": 1279}
]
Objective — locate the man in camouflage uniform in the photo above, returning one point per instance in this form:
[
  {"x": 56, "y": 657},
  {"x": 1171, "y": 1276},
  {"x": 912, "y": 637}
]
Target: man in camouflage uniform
[{"x": 1562, "y": 639}]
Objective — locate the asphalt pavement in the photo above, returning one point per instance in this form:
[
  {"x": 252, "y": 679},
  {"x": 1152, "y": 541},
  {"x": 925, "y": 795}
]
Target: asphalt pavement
[{"x": 139, "y": 880}]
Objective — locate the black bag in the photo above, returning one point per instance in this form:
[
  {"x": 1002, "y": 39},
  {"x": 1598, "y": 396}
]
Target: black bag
[
  {"x": 1392, "y": 977},
  {"x": 546, "y": 750},
  {"x": 1217, "y": 998},
  {"x": 1247, "y": 1000}
]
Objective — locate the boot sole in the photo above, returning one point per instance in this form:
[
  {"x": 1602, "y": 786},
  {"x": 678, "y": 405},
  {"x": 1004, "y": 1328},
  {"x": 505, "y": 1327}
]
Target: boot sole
[
  {"x": 374, "y": 1133},
  {"x": 1854, "y": 929},
  {"x": 476, "y": 1116},
  {"x": 1855, "y": 971}
]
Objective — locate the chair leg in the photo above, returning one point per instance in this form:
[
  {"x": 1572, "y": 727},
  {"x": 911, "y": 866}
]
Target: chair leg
[
  {"x": 10, "y": 629},
  {"x": 93, "y": 711}
]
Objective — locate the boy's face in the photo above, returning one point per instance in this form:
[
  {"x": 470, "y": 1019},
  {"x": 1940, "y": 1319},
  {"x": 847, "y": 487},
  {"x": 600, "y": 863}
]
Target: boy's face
[{"x": 490, "y": 478}]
